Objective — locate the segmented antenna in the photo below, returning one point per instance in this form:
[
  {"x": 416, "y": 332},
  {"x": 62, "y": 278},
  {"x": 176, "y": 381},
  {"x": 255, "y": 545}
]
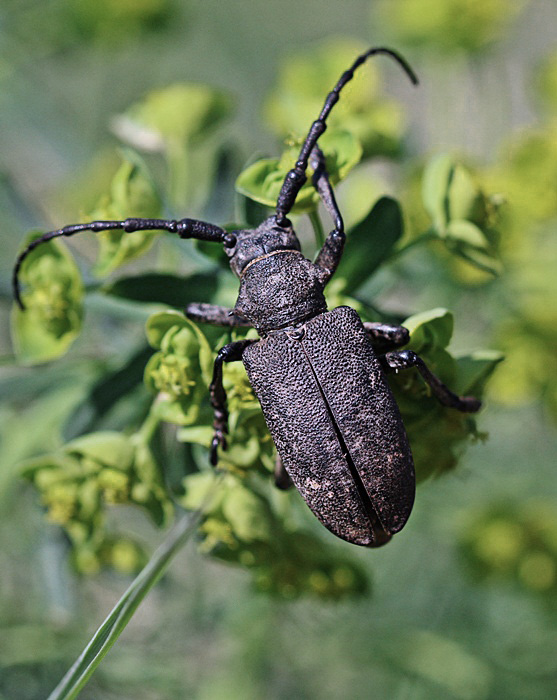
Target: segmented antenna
[
  {"x": 185, "y": 228},
  {"x": 296, "y": 178}
]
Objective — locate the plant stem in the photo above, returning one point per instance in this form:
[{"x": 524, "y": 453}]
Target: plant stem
[
  {"x": 317, "y": 228},
  {"x": 428, "y": 235}
]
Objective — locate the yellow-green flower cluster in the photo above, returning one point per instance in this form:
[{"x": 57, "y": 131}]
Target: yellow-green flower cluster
[
  {"x": 180, "y": 372},
  {"x": 53, "y": 297},
  {"x": 96, "y": 470},
  {"x": 241, "y": 526}
]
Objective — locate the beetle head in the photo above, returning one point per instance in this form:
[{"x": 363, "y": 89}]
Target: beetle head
[{"x": 245, "y": 245}]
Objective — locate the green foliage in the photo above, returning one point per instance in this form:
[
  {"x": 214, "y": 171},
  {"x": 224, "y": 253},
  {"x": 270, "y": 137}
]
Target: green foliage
[
  {"x": 179, "y": 122},
  {"x": 262, "y": 180},
  {"x": 515, "y": 544},
  {"x": 306, "y": 78},
  {"x": 53, "y": 297},
  {"x": 438, "y": 434},
  {"x": 132, "y": 193},
  {"x": 461, "y": 213},
  {"x": 68, "y": 23},
  {"x": 449, "y": 26},
  {"x": 89, "y": 474},
  {"x": 241, "y": 526}
]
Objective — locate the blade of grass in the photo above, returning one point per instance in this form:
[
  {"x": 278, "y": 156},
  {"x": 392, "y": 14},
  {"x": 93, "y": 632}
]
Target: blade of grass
[{"x": 107, "y": 634}]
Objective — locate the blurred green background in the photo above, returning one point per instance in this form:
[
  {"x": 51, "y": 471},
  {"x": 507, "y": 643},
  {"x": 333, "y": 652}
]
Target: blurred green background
[{"x": 463, "y": 602}]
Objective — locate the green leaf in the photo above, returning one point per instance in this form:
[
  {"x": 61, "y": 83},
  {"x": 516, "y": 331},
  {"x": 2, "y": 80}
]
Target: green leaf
[
  {"x": 53, "y": 300},
  {"x": 430, "y": 329},
  {"x": 370, "y": 242},
  {"x": 435, "y": 183},
  {"x": 107, "y": 447},
  {"x": 162, "y": 288},
  {"x": 474, "y": 370},
  {"x": 450, "y": 193},
  {"x": 159, "y": 324},
  {"x": 173, "y": 115},
  {"x": 467, "y": 234},
  {"x": 465, "y": 240},
  {"x": 262, "y": 181},
  {"x": 114, "y": 624},
  {"x": 248, "y": 514},
  {"x": 111, "y": 388}
]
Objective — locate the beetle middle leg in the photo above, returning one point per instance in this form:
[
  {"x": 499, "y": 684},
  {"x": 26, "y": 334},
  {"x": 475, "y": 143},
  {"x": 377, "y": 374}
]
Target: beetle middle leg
[
  {"x": 228, "y": 353},
  {"x": 406, "y": 359}
]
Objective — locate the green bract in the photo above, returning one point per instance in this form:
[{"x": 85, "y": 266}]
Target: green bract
[
  {"x": 132, "y": 193},
  {"x": 438, "y": 434},
  {"x": 178, "y": 121},
  {"x": 181, "y": 371},
  {"x": 90, "y": 473},
  {"x": 304, "y": 81},
  {"x": 53, "y": 295},
  {"x": 262, "y": 180},
  {"x": 462, "y": 215}
]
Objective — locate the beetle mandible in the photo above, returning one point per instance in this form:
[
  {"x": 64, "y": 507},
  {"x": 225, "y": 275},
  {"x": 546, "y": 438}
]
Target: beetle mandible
[{"x": 319, "y": 375}]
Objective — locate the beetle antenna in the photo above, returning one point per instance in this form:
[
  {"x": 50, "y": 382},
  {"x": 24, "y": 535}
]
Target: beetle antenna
[
  {"x": 185, "y": 228},
  {"x": 296, "y": 178}
]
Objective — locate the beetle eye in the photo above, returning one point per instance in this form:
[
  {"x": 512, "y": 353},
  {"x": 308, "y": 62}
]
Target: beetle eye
[{"x": 229, "y": 240}]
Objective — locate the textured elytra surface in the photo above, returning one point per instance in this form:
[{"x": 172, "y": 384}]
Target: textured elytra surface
[{"x": 326, "y": 382}]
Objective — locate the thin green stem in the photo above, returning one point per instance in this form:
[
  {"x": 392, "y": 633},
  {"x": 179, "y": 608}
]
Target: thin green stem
[
  {"x": 107, "y": 634},
  {"x": 150, "y": 424},
  {"x": 428, "y": 235},
  {"x": 317, "y": 228}
]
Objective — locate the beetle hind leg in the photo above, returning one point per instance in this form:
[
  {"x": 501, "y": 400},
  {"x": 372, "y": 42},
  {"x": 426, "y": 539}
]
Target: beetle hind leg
[
  {"x": 406, "y": 359},
  {"x": 385, "y": 337}
]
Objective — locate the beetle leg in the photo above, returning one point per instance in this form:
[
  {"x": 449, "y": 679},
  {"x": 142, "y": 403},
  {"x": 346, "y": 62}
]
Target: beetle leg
[
  {"x": 393, "y": 361},
  {"x": 330, "y": 254},
  {"x": 215, "y": 315},
  {"x": 282, "y": 477},
  {"x": 185, "y": 228},
  {"x": 385, "y": 337},
  {"x": 229, "y": 353}
]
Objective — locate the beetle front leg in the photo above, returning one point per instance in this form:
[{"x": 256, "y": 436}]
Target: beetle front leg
[
  {"x": 229, "y": 353},
  {"x": 385, "y": 337},
  {"x": 330, "y": 254},
  {"x": 406, "y": 359},
  {"x": 215, "y": 315}
]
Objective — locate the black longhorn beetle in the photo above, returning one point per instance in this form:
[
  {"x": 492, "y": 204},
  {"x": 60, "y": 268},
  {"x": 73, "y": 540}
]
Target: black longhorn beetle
[{"x": 319, "y": 375}]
